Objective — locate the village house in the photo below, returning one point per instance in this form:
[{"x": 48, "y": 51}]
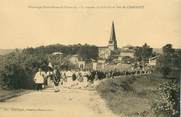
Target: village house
[
  {"x": 74, "y": 59},
  {"x": 127, "y": 54},
  {"x": 83, "y": 64}
]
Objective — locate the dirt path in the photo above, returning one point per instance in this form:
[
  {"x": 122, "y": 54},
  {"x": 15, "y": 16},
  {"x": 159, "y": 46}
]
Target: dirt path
[{"x": 66, "y": 103}]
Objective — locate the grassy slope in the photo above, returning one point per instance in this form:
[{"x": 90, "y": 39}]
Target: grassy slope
[{"x": 132, "y": 96}]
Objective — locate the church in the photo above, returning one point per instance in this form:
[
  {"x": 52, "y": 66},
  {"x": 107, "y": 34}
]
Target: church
[{"x": 106, "y": 51}]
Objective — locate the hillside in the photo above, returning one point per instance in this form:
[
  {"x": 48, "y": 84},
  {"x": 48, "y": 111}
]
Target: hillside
[
  {"x": 5, "y": 51},
  {"x": 126, "y": 94}
]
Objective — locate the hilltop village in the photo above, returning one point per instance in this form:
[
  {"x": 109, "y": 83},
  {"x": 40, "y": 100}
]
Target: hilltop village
[{"x": 110, "y": 57}]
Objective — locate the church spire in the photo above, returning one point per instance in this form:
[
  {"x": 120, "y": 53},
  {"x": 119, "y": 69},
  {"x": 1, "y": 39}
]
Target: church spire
[
  {"x": 112, "y": 41},
  {"x": 113, "y": 35}
]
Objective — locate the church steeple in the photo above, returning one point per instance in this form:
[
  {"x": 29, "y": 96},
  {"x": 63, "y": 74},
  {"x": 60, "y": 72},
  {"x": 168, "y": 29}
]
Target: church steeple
[{"x": 112, "y": 42}]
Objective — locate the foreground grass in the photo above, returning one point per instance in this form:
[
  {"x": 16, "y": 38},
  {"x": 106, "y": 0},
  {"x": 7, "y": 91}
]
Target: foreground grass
[{"x": 132, "y": 96}]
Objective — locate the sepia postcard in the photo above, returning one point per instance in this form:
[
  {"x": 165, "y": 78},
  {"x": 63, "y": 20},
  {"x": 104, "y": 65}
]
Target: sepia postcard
[{"x": 90, "y": 58}]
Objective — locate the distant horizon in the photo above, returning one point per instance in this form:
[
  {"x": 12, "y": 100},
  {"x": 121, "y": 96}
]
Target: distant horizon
[{"x": 88, "y": 44}]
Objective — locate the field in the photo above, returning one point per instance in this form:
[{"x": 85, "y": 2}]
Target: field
[{"x": 132, "y": 96}]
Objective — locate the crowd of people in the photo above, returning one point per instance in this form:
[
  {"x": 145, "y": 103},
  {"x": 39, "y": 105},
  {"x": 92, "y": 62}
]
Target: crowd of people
[
  {"x": 42, "y": 78},
  {"x": 64, "y": 78},
  {"x": 75, "y": 78}
]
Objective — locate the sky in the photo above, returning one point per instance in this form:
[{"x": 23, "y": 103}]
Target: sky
[{"x": 23, "y": 25}]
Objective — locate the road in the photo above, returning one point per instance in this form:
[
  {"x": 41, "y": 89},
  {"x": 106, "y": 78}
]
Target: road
[{"x": 47, "y": 103}]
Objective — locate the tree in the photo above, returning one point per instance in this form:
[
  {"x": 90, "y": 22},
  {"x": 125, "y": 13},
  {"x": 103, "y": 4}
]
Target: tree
[
  {"x": 88, "y": 52},
  {"x": 169, "y": 62},
  {"x": 144, "y": 52},
  {"x": 12, "y": 73},
  {"x": 168, "y": 50}
]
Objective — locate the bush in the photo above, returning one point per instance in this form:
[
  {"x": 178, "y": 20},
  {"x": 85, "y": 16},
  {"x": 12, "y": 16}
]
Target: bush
[
  {"x": 17, "y": 69},
  {"x": 168, "y": 101},
  {"x": 13, "y": 77}
]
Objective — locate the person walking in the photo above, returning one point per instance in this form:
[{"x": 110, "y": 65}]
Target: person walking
[
  {"x": 39, "y": 79},
  {"x": 49, "y": 76},
  {"x": 85, "y": 79},
  {"x": 96, "y": 76},
  {"x": 63, "y": 79},
  {"x": 69, "y": 78},
  {"x": 56, "y": 80}
]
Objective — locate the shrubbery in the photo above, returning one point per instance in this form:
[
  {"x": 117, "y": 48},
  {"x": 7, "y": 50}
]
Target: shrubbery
[
  {"x": 169, "y": 65},
  {"x": 168, "y": 101},
  {"x": 18, "y": 68},
  {"x": 13, "y": 76}
]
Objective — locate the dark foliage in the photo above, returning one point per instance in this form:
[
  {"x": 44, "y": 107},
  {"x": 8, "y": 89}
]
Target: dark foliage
[
  {"x": 144, "y": 52},
  {"x": 85, "y": 51},
  {"x": 169, "y": 63},
  {"x": 19, "y": 67}
]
